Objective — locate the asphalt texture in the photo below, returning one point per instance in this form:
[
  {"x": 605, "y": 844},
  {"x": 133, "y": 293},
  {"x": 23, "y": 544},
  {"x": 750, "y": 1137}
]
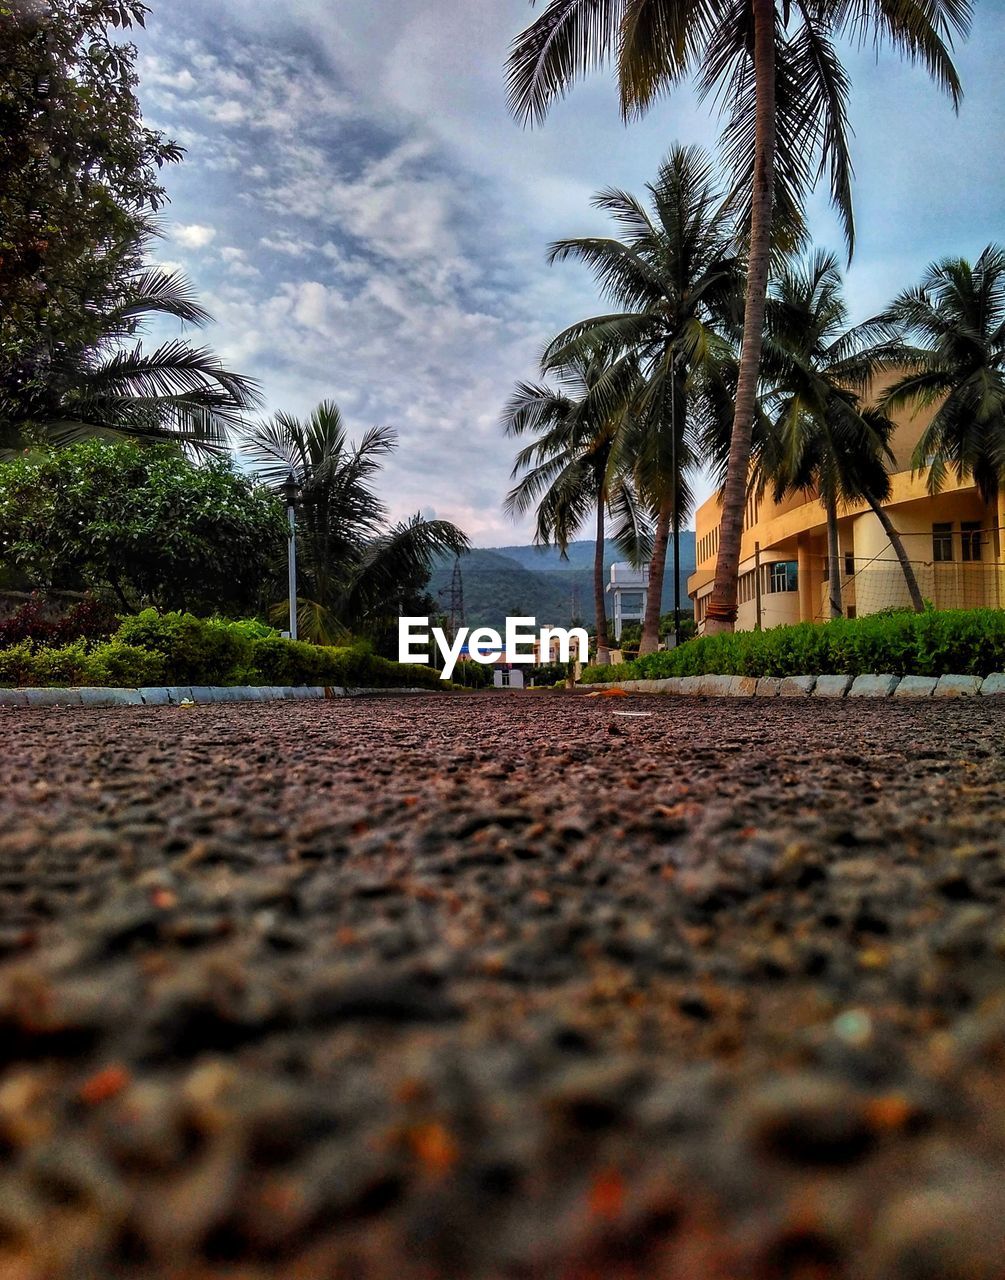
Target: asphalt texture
[{"x": 503, "y": 986}]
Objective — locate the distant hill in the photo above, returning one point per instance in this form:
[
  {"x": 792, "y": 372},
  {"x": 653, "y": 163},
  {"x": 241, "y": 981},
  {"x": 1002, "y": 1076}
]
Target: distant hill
[{"x": 536, "y": 582}]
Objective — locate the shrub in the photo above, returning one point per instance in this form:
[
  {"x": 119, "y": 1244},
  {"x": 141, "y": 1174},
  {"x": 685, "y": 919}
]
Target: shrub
[
  {"x": 193, "y": 650},
  {"x": 16, "y": 664},
  {"x": 119, "y": 665},
  {"x": 177, "y": 648},
  {"x": 60, "y": 666},
  {"x": 959, "y": 641}
]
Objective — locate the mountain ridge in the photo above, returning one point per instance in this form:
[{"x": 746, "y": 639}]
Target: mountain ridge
[{"x": 530, "y": 581}]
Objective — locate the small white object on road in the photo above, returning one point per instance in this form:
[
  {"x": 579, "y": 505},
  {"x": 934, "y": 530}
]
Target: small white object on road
[{"x": 635, "y": 715}]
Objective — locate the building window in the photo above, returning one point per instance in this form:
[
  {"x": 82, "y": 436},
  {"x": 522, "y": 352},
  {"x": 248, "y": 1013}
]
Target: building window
[
  {"x": 849, "y": 564},
  {"x": 970, "y": 537},
  {"x": 851, "y": 611},
  {"x": 942, "y": 543},
  {"x": 783, "y": 576},
  {"x": 827, "y": 569}
]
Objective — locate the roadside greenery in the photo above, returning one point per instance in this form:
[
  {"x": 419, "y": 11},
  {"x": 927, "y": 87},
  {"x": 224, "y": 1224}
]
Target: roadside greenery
[
  {"x": 958, "y": 641},
  {"x": 179, "y": 649},
  {"x": 144, "y": 522}
]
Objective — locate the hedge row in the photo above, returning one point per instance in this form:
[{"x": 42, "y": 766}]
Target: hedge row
[
  {"x": 958, "y": 641},
  {"x": 179, "y": 649}
]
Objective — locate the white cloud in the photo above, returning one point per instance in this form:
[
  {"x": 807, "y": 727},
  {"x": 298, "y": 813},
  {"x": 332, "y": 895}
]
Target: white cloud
[
  {"x": 370, "y": 171},
  {"x": 194, "y": 235}
]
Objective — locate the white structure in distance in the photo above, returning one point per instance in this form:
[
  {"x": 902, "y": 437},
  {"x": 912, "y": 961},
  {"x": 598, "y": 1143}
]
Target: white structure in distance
[{"x": 630, "y": 588}]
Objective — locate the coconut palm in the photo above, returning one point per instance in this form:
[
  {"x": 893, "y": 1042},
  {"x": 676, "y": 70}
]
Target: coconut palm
[
  {"x": 355, "y": 570},
  {"x": 677, "y": 281},
  {"x": 111, "y": 388},
  {"x": 950, "y": 332},
  {"x": 774, "y": 69},
  {"x": 577, "y": 463},
  {"x": 821, "y": 437}
]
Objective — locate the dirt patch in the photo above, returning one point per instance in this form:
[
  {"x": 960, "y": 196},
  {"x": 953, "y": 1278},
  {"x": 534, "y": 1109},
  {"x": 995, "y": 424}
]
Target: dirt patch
[{"x": 503, "y": 987}]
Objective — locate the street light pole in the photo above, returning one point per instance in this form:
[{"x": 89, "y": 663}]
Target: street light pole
[{"x": 290, "y": 489}]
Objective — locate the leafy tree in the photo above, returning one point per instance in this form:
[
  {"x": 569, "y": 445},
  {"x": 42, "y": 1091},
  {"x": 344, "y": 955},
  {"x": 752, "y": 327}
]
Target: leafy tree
[
  {"x": 677, "y": 283},
  {"x": 821, "y": 438},
  {"x": 110, "y": 388},
  {"x": 143, "y": 521},
  {"x": 354, "y": 570},
  {"x": 577, "y": 462},
  {"x": 79, "y": 179},
  {"x": 773, "y": 67},
  {"x": 950, "y": 332}
]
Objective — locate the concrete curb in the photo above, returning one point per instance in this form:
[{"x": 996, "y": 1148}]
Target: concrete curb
[
  {"x": 865, "y": 686},
  {"x": 175, "y": 695}
]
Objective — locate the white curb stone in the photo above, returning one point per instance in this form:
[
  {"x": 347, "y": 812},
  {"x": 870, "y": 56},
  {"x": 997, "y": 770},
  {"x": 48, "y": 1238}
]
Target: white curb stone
[
  {"x": 873, "y": 686},
  {"x": 832, "y": 686},
  {"x": 691, "y": 684},
  {"x": 767, "y": 687},
  {"x": 993, "y": 684},
  {"x": 958, "y": 686},
  {"x": 13, "y": 698},
  {"x": 203, "y": 693},
  {"x": 99, "y": 697},
  {"x": 916, "y": 687},
  {"x": 796, "y": 686},
  {"x": 716, "y": 686},
  {"x": 52, "y": 697},
  {"x": 179, "y": 693},
  {"x": 155, "y": 697}
]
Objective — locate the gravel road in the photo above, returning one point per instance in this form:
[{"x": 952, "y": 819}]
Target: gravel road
[{"x": 494, "y": 986}]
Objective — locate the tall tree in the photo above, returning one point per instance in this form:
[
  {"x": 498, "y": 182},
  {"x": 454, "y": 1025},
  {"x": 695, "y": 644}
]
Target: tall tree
[
  {"x": 677, "y": 281},
  {"x": 577, "y": 462},
  {"x": 79, "y": 176},
  {"x": 774, "y": 68},
  {"x": 822, "y": 437},
  {"x": 354, "y": 568},
  {"x": 950, "y": 332}
]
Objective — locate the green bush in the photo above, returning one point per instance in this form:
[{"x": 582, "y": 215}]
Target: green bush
[
  {"x": 16, "y": 664},
  {"x": 194, "y": 650},
  {"x": 953, "y": 642},
  {"x": 124, "y": 666},
  {"x": 180, "y": 649},
  {"x": 60, "y": 666}
]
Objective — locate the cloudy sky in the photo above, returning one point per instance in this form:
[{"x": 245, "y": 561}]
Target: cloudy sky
[{"x": 367, "y": 223}]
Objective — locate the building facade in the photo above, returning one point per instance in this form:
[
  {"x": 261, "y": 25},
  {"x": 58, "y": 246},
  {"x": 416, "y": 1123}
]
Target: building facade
[{"x": 953, "y": 539}]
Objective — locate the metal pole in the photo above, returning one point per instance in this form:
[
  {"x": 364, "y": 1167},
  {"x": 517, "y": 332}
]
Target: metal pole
[
  {"x": 291, "y": 512},
  {"x": 757, "y": 581},
  {"x": 676, "y": 506}
]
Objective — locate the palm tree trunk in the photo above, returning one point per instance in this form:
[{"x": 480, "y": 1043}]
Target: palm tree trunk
[
  {"x": 599, "y": 599},
  {"x": 914, "y": 591},
  {"x": 650, "y": 641},
  {"x": 721, "y": 612},
  {"x": 833, "y": 559}
]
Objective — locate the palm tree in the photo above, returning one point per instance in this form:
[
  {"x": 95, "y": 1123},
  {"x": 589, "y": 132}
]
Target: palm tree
[
  {"x": 577, "y": 462},
  {"x": 355, "y": 570},
  {"x": 950, "y": 332},
  {"x": 677, "y": 281},
  {"x": 109, "y": 388},
  {"x": 821, "y": 437},
  {"x": 774, "y": 69}
]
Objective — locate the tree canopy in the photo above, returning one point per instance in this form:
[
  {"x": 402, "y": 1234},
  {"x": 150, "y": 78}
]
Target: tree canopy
[
  {"x": 79, "y": 177},
  {"x": 143, "y": 521}
]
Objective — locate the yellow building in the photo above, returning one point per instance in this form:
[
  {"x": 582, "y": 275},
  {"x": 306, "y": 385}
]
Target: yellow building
[{"x": 954, "y": 541}]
